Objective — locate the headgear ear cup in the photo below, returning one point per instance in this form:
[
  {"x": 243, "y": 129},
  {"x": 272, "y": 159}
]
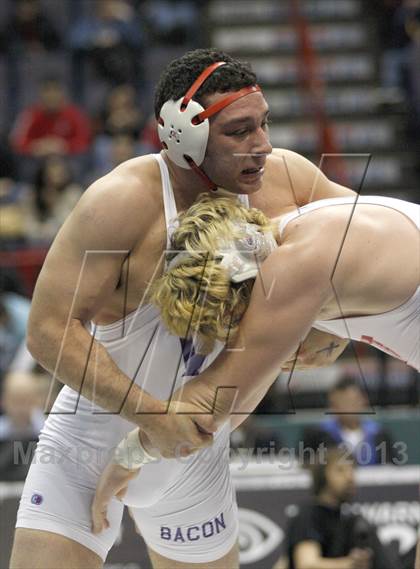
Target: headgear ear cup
[
  {"x": 179, "y": 136},
  {"x": 183, "y": 125}
]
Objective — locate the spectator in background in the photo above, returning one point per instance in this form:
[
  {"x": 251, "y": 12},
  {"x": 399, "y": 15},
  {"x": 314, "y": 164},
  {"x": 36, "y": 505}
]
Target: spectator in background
[
  {"x": 110, "y": 152},
  {"x": 363, "y": 437},
  {"x": 54, "y": 196},
  {"x": 53, "y": 125},
  {"x": 20, "y": 424},
  {"x": 119, "y": 125},
  {"x": 121, "y": 114},
  {"x": 322, "y": 535},
  {"x": 28, "y": 29},
  {"x": 111, "y": 39},
  {"x": 173, "y": 22},
  {"x": 399, "y": 28}
]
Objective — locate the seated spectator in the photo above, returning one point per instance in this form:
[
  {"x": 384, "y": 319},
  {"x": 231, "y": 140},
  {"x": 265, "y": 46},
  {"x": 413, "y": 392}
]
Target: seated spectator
[
  {"x": 51, "y": 126},
  {"x": 121, "y": 114},
  {"x": 53, "y": 198},
  {"x": 111, "y": 39},
  {"x": 20, "y": 424},
  {"x": 363, "y": 437},
  {"x": 28, "y": 29},
  {"x": 322, "y": 535},
  {"x": 173, "y": 22},
  {"x": 399, "y": 33}
]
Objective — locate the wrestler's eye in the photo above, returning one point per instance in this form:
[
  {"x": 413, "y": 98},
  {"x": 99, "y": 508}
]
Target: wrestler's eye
[
  {"x": 258, "y": 536},
  {"x": 239, "y": 132}
]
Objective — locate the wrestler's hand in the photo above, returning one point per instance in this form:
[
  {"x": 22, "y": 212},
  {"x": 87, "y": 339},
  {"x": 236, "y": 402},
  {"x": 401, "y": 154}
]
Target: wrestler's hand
[
  {"x": 211, "y": 406},
  {"x": 319, "y": 349},
  {"x": 178, "y": 432},
  {"x": 112, "y": 482}
]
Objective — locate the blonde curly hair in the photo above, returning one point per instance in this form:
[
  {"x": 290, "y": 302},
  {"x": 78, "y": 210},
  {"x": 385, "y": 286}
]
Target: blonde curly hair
[{"x": 196, "y": 297}]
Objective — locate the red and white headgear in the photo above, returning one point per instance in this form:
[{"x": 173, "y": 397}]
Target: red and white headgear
[{"x": 183, "y": 125}]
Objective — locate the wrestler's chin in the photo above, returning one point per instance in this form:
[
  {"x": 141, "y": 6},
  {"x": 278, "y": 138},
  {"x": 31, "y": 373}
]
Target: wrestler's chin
[
  {"x": 251, "y": 183},
  {"x": 243, "y": 185},
  {"x": 248, "y": 187}
]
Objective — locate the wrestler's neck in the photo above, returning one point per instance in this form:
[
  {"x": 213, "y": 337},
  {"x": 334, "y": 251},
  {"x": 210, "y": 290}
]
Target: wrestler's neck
[{"x": 186, "y": 185}]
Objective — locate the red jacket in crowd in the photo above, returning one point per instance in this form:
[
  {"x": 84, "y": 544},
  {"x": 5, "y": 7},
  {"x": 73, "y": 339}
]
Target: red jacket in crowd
[{"x": 69, "y": 124}]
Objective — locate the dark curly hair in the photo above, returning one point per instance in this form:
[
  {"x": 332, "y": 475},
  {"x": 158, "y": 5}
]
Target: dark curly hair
[{"x": 181, "y": 73}]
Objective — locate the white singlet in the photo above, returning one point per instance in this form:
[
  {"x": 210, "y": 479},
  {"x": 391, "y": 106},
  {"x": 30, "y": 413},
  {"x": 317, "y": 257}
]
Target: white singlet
[
  {"x": 396, "y": 332},
  {"x": 184, "y": 508}
]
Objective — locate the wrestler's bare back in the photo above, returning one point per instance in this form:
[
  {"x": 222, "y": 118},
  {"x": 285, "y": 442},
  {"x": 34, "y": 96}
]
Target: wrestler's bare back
[{"x": 366, "y": 247}]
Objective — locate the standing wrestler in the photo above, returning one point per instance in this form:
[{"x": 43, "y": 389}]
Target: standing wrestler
[{"x": 90, "y": 326}]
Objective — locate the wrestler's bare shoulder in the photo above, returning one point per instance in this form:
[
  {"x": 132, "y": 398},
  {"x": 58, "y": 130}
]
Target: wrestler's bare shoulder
[
  {"x": 126, "y": 200},
  {"x": 298, "y": 180},
  {"x": 137, "y": 179}
]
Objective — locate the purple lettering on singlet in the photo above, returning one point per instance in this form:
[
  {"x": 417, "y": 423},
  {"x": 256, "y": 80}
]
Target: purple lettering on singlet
[
  {"x": 193, "y": 361},
  {"x": 178, "y": 535},
  {"x": 165, "y": 533},
  {"x": 207, "y": 529},
  {"x": 220, "y": 522},
  {"x": 192, "y": 537}
]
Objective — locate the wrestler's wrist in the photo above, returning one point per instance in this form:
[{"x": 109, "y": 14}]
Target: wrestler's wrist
[
  {"x": 134, "y": 451},
  {"x": 151, "y": 415}
]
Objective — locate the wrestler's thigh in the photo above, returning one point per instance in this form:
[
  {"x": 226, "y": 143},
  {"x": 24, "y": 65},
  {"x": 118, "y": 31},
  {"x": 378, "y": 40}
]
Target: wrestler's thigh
[
  {"x": 38, "y": 549},
  {"x": 228, "y": 561}
]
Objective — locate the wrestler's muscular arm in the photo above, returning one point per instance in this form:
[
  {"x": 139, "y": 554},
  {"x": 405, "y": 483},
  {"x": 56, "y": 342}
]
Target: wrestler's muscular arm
[
  {"x": 272, "y": 327},
  {"x": 308, "y": 184},
  {"x": 306, "y": 180},
  {"x": 74, "y": 285}
]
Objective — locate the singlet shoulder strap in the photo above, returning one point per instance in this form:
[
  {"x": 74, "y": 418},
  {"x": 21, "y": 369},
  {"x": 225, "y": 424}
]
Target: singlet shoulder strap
[{"x": 168, "y": 198}]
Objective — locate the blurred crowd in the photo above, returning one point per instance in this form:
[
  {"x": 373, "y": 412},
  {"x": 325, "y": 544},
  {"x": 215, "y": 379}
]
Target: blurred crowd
[{"x": 399, "y": 34}]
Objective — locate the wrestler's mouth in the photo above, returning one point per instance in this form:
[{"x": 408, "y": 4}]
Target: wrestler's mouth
[{"x": 249, "y": 173}]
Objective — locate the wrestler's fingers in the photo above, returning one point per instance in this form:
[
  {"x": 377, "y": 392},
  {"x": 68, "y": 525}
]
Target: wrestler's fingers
[{"x": 99, "y": 516}]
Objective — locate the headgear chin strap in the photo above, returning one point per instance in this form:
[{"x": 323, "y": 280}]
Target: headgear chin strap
[{"x": 183, "y": 125}]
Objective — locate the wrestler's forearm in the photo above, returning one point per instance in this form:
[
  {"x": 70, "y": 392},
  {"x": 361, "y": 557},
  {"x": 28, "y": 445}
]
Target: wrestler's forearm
[
  {"x": 236, "y": 419},
  {"x": 82, "y": 363},
  {"x": 275, "y": 323}
]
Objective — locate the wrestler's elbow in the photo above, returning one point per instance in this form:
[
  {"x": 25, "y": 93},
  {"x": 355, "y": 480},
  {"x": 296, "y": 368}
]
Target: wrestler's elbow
[
  {"x": 43, "y": 339},
  {"x": 39, "y": 343}
]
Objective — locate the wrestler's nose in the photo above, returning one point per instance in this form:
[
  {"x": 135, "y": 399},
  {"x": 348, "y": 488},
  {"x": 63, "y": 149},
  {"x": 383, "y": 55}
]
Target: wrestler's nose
[{"x": 262, "y": 144}]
